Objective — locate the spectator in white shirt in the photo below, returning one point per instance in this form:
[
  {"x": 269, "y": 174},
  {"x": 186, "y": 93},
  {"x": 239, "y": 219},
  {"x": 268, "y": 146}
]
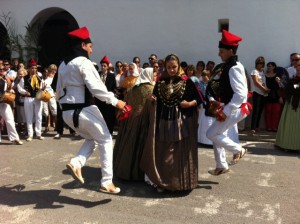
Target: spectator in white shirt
[{"x": 295, "y": 58}]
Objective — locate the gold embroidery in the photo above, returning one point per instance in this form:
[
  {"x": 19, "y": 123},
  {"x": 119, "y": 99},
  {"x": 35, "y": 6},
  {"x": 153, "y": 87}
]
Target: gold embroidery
[{"x": 171, "y": 93}]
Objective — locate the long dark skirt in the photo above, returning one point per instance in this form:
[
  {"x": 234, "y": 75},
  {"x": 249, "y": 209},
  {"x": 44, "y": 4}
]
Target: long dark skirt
[
  {"x": 172, "y": 165},
  {"x": 132, "y": 136}
]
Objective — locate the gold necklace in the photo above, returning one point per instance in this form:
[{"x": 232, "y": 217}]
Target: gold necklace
[
  {"x": 170, "y": 88},
  {"x": 171, "y": 94}
]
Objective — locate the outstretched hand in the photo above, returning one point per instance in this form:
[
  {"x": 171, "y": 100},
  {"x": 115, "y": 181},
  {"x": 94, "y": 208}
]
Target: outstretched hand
[
  {"x": 186, "y": 104},
  {"x": 44, "y": 86},
  {"x": 152, "y": 98},
  {"x": 120, "y": 105}
]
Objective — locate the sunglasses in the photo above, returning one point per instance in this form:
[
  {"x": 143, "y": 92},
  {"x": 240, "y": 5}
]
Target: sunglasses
[
  {"x": 136, "y": 61},
  {"x": 296, "y": 59}
]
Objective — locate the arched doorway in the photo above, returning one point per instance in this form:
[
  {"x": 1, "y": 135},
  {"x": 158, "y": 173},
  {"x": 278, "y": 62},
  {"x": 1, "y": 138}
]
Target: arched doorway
[
  {"x": 4, "y": 51},
  {"x": 55, "y": 23}
]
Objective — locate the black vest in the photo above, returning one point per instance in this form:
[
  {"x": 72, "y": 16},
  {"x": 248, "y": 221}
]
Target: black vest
[
  {"x": 226, "y": 92},
  {"x": 28, "y": 87}
]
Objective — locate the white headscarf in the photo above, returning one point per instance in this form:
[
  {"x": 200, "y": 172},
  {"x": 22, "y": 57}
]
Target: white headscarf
[
  {"x": 135, "y": 70},
  {"x": 145, "y": 77}
]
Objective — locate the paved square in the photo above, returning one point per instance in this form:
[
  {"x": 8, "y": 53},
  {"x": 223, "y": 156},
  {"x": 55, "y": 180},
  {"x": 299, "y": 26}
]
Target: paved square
[{"x": 35, "y": 187}]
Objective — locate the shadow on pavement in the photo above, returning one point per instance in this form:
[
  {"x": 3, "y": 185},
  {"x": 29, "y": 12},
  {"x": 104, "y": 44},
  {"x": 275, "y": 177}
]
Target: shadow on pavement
[
  {"x": 16, "y": 196},
  {"x": 139, "y": 189},
  {"x": 263, "y": 148},
  {"x": 261, "y": 136},
  {"x": 5, "y": 143},
  {"x": 263, "y": 143},
  {"x": 206, "y": 184}
]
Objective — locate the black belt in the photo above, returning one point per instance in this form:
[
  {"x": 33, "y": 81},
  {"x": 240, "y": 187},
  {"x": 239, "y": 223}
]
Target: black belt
[
  {"x": 67, "y": 106},
  {"x": 77, "y": 109}
]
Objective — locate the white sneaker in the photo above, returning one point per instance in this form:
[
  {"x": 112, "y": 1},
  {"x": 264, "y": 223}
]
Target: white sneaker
[
  {"x": 57, "y": 136},
  {"x": 29, "y": 139},
  {"x": 40, "y": 137}
]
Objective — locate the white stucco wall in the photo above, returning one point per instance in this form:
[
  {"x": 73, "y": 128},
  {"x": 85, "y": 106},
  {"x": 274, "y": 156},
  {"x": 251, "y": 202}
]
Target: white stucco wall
[{"x": 123, "y": 29}]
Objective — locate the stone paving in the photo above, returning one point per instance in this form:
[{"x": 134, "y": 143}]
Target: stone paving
[{"x": 35, "y": 187}]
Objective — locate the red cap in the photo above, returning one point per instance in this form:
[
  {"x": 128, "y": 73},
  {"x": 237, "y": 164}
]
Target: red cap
[
  {"x": 105, "y": 60},
  {"x": 126, "y": 115},
  {"x": 229, "y": 40},
  {"x": 81, "y": 33},
  {"x": 32, "y": 62}
]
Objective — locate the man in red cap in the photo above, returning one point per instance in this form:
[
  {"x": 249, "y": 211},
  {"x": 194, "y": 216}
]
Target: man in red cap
[
  {"x": 77, "y": 82},
  {"x": 109, "y": 79},
  {"x": 232, "y": 106},
  {"x": 28, "y": 87}
]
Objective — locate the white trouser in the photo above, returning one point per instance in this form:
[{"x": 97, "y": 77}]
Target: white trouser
[
  {"x": 217, "y": 133},
  {"x": 8, "y": 116},
  {"x": 233, "y": 133},
  {"x": 50, "y": 105},
  {"x": 33, "y": 110},
  {"x": 93, "y": 128}
]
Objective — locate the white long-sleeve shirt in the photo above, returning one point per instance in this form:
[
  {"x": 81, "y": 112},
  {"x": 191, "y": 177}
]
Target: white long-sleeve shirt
[
  {"x": 20, "y": 87},
  {"x": 77, "y": 74},
  {"x": 238, "y": 82}
]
